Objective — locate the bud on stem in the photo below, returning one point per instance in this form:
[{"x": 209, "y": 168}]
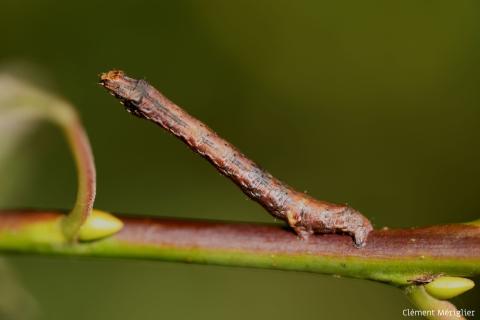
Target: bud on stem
[{"x": 448, "y": 287}]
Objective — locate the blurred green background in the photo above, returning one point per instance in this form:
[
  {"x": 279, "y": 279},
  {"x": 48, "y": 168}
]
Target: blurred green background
[{"x": 374, "y": 103}]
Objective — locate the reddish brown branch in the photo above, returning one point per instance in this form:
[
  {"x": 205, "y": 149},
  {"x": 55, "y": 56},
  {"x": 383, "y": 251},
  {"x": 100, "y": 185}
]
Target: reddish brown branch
[
  {"x": 304, "y": 213},
  {"x": 396, "y": 256},
  {"x": 453, "y": 241}
]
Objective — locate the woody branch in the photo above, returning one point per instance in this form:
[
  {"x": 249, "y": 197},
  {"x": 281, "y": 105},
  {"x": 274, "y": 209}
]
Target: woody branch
[{"x": 396, "y": 256}]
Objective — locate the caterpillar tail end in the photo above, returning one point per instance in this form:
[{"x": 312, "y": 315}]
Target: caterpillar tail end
[{"x": 345, "y": 221}]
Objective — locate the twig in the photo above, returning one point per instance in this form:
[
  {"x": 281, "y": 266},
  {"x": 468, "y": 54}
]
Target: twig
[
  {"x": 303, "y": 213},
  {"x": 400, "y": 257}
]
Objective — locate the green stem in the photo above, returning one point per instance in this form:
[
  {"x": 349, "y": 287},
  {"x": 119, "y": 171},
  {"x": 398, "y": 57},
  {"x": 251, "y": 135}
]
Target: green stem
[
  {"x": 398, "y": 257},
  {"x": 86, "y": 177}
]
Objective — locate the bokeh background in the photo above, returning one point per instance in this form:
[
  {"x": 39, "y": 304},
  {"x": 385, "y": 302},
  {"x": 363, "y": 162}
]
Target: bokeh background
[{"x": 374, "y": 103}]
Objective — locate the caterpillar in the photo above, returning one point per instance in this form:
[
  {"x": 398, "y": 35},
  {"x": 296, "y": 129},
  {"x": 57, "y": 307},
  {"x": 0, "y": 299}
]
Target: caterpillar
[{"x": 303, "y": 213}]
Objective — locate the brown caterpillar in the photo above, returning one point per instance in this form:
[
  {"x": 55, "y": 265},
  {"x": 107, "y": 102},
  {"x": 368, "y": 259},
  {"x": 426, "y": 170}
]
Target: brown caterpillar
[{"x": 303, "y": 213}]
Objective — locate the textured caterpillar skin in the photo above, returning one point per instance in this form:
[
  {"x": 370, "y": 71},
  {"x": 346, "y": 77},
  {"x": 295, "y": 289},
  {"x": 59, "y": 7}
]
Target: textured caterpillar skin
[{"x": 303, "y": 213}]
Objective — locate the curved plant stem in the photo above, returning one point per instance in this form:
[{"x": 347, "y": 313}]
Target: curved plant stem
[
  {"x": 27, "y": 102},
  {"x": 398, "y": 257},
  {"x": 430, "y": 307},
  {"x": 86, "y": 176}
]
